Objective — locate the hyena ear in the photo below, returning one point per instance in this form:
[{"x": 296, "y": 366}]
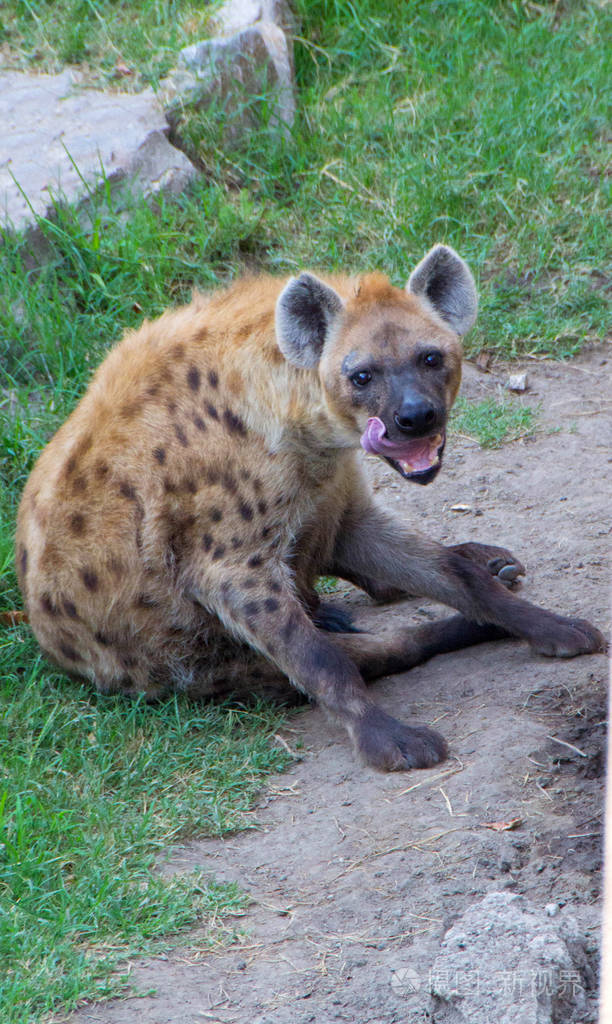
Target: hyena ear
[
  {"x": 305, "y": 311},
  {"x": 447, "y": 283}
]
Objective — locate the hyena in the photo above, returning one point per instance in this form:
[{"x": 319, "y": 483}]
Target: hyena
[{"x": 171, "y": 533}]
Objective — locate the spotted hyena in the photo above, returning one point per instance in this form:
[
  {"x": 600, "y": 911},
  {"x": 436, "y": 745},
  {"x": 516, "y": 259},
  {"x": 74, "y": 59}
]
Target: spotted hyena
[{"x": 172, "y": 531}]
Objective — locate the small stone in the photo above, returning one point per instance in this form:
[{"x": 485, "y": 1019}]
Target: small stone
[{"x": 517, "y": 382}]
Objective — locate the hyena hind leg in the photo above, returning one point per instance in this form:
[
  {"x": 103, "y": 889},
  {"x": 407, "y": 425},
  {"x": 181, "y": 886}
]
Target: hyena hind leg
[{"x": 376, "y": 656}]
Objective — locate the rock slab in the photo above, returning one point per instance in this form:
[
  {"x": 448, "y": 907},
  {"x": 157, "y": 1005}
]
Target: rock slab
[
  {"x": 507, "y": 962},
  {"x": 61, "y": 140}
]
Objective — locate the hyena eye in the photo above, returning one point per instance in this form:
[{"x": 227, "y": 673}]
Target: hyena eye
[
  {"x": 361, "y": 378},
  {"x": 432, "y": 359}
]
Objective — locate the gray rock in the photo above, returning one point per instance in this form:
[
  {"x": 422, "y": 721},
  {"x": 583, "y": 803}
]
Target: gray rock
[
  {"x": 235, "y": 15},
  {"x": 507, "y": 962},
  {"x": 61, "y": 142},
  {"x": 231, "y": 72},
  {"x": 517, "y": 382}
]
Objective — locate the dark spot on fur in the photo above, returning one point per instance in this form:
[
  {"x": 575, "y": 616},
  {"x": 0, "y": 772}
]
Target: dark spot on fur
[
  {"x": 218, "y": 552},
  {"x": 178, "y": 537},
  {"x": 265, "y": 533},
  {"x": 207, "y": 542},
  {"x": 178, "y": 351},
  {"x": 160, "y": 455},
  {"x": 152, "y": 390},
  {"x": 127, "y": 491},
  {"x": 257, "y": 485},
  {"x": 130, "y": 409},
  {"x": 71, "y": 465},
  {"x": 70, "y": 608},
  {"x": 262, "y": 507},
  {"x": 228, "y": 483},
  {"x": 79, "y": 484},
  {"x": 181, "y": 435},
  {"x": 275, "y": 587},
  {"x": 128, "y": 661},
  {"x": 171, "y": 406},
  {"x": 255, "y": 561},
  {"x": 290, "y": 627},
  {"x": 246, "y": 510},
  {"x": 251, "y": 608},
  {"x": 146, "y": 601},
  {"x": 23, "y": 561},
  {"x": 102, "y": 638},
  {"x": 77, "y": 523},
  {"x": 236, "y": 543},
  {"x": 211, "y": 410},
  {"x": 250, "y": 583},
  {"x": 47, "y": 605},
  {"x": 193, "y": 378},
  {"x": 169, "y": 486},
  {"x": 271, "y": 604},
  {"x": 101, "y": 470},
  {"x": 199, "y": 423},
  {"x": 190, "y": 486},
  {"x": 69, "y": 652},
  {"x": 245, "y": 474},
  {"x": 280, "y": 500},
  {"x": 212, "y": 476},
  {"x": 216, "y": 515},
  {"x": 89, "y": 578},
  {"x": 233, "y": 423},
  {"x": 213, "y": 379}
]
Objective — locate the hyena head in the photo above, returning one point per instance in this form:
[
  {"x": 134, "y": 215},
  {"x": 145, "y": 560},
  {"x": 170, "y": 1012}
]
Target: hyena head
[{"x": 389, "y": 360}]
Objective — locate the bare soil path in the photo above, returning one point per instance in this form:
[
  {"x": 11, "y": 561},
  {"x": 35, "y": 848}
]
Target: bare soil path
[{"x": 355, "y": 875}]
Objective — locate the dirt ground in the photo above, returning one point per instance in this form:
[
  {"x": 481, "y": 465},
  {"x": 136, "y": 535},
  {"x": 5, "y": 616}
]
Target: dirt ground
[{"x": 355, "y": 876}]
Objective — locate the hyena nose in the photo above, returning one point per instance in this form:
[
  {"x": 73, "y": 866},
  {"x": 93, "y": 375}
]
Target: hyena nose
[{"x": 415, "y": 416}]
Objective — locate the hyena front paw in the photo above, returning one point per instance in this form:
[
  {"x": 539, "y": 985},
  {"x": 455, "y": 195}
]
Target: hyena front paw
[
  {"x": 500, "y": 562},
  {"x": 565, "y": 638},
  {"x": 388, "y": 745}
]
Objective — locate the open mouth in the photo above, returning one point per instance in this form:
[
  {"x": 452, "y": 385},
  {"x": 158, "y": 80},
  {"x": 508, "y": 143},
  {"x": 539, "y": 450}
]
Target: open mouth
[{"x": 418, "y": 459}]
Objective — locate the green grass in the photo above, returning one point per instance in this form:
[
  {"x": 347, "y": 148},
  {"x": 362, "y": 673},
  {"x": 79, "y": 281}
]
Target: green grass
[
  {"x": 482, "y": 124},
  {"x": 94, "y": 792},
  {"x": 493, "y": 423},
  {"x": 117, "y": 45}
]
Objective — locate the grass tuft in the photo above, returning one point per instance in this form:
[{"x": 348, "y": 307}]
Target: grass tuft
[{"x": 492, "y": 423}]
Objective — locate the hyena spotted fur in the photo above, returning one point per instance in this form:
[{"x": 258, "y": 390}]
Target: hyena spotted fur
[{"x": 171, "y": 533}]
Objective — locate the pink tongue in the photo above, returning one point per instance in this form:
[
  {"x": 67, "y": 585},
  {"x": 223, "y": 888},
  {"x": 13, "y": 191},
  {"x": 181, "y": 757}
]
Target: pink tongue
[{"x": 420, "y": 453}]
